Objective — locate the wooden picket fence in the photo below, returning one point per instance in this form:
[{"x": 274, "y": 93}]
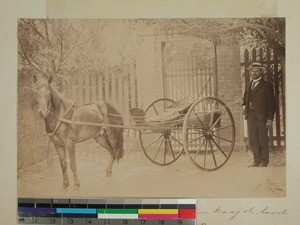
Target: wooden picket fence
[
  {"x": 268, "y": 57},
  {"x": 189, "y": 76},
  {"x": 116, "y": 85}
]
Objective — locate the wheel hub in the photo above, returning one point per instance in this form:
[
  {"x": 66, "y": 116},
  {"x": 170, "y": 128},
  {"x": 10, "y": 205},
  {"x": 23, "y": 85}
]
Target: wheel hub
[{"x": 208, "y": 134}]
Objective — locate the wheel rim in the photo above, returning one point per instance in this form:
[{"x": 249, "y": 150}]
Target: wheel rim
[
  {"x": 209, "y": 133},
  {"x": 161, "y": 147}
]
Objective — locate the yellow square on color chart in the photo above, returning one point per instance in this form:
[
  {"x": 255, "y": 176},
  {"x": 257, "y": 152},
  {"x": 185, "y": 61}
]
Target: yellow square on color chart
[{"x": 158, "y": 211}]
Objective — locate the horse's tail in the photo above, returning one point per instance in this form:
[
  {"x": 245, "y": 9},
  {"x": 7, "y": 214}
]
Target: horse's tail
[{"x": 114, "y": 117}]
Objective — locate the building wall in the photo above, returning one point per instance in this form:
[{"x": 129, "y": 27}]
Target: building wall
[
  {"x": 230, "y": 85},
  {"x": 150, "y": 79}
]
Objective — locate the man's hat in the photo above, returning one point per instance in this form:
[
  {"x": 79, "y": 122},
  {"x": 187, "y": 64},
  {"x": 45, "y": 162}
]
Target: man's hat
[{"x": 256, "y": 65}]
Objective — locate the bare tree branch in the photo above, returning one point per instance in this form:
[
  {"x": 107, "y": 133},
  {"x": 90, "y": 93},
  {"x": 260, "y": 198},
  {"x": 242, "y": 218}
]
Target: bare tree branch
[
  {"x": 47, "y": 33},
  {"x": 73, "y": 47},
  {"x": 33, "y": 27},
  {"x": 27, "y": 58}
]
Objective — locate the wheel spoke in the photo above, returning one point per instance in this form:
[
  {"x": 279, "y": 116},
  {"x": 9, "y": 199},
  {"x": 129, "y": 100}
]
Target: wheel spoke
[
  {"x": 219, "y": 148},
  {"x": 221, "y": 138},
  {"x": 198, "y": 118},
  {"x": 219, "y": 118},
  {"x": 171, "y": 148},
  {"x": 222, "y": 128},
  {"x": 154, "y": 141},
  {"x": 213, "y": 154},
  {"x": 165, "y": 150},
  {"x": 162, "y": 140},
  {"x": 199, "y": 149},
  {"x": 175, "y": 140},
  {"x": 205, "y": 156},
  {"x": 196, "y": 139},
  {"x": 155, "y": 109}
]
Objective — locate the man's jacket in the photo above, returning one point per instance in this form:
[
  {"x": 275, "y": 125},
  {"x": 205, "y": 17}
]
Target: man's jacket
[{"x": 261, "y": 99}]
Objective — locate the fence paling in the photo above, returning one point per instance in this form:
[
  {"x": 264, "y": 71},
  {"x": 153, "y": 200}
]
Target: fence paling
[
  {"x": 132, "y": 86},
  {"x": 94, "y": 87}
]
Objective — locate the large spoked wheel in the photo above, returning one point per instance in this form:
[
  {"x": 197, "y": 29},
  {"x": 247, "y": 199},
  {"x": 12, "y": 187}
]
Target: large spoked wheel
[
  {"x": 209, "y": 133},
  {"x": 162, "y": 147}
]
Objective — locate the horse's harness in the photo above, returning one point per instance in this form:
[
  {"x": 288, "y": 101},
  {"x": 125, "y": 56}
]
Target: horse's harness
[{"x": 58, "y": 121}]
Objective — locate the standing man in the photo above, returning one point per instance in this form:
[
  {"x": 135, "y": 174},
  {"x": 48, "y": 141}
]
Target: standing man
[{"x": 259, "y": 102}]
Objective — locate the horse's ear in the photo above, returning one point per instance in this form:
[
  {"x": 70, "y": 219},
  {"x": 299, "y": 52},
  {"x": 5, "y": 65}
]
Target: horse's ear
[
  {"x": 34, "y": 78},
  {"x": 50, "y": 79}
]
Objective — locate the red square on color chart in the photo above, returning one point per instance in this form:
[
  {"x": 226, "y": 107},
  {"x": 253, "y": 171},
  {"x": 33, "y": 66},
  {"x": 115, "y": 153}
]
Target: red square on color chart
[{"x": 187, "y": 213}]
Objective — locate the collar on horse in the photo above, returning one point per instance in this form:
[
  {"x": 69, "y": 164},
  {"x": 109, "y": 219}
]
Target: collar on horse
[{"x": 58, "y": 121}]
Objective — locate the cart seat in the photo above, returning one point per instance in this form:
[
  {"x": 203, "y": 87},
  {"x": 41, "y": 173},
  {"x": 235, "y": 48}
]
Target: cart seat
[
  {"x": 137, "y": 116},
  {"x": 172, "y": 115}
]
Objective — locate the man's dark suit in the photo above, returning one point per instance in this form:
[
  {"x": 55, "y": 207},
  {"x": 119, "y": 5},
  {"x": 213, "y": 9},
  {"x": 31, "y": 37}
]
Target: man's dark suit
[{"x": 259, "y": 107}]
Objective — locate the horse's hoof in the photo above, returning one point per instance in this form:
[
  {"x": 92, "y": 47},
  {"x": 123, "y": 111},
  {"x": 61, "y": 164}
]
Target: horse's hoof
[
  {"x": 108, "y": 173},
  {"x": 76, "y": 186},
  {"x": 65, "y": 187}
]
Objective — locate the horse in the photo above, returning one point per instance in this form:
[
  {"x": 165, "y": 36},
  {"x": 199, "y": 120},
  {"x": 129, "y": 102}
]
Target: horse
[{"x": 60, "y": 116}]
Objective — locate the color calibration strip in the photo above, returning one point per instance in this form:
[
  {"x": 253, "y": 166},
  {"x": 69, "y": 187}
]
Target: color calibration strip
[{"x": 107, "y": 211}]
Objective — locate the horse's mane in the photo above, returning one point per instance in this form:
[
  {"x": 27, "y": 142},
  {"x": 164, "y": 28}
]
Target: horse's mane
[{"x": 56, "y": 95}]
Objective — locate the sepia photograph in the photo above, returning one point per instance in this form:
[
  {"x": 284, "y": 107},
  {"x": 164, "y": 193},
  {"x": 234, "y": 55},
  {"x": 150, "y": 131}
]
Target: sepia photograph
[{"x": 166, "y": 108}]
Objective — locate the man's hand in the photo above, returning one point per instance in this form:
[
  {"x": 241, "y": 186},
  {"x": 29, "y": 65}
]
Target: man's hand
[
  {"x": 269, "y": 124},
  {"x": 239, "y": 101}
]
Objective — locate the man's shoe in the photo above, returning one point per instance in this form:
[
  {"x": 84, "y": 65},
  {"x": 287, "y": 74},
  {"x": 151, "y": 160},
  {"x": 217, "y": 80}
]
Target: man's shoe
[
  {"x": 263, "y": 164},
  {"x": 255, "y": 164}
]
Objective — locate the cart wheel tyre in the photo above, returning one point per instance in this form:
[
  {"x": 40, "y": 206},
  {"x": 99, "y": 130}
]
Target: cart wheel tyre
[
  {"x": 209, "y": 133},
  {"x": 161, "y": 147}
]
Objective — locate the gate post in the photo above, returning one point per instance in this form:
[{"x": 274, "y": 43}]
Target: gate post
[
  {"x": 230, "y": 83},
  {"x": 215, "y": 76}
]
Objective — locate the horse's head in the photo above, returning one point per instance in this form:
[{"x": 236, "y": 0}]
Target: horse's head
[{"x": 42, "y": 92}]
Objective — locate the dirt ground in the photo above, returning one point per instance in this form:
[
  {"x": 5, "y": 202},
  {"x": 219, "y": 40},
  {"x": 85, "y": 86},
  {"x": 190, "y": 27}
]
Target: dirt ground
[{"x": 136, "y": 176}]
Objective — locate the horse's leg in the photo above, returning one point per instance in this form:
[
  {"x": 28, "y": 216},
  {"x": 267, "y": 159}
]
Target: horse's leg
[
  {"x": 63, "y": 163},
  {"x": 110, "y": 165},
  {"x": 70, "y": 146},
  {"x": 103, "y": 141},
  {"x": 113, "y": 144}
]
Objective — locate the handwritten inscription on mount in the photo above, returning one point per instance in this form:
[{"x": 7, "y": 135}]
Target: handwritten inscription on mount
[{"x": 233, "y": 214}]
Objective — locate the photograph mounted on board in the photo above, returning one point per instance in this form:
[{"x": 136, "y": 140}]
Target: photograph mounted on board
[{"x": 151, "y": 108}]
